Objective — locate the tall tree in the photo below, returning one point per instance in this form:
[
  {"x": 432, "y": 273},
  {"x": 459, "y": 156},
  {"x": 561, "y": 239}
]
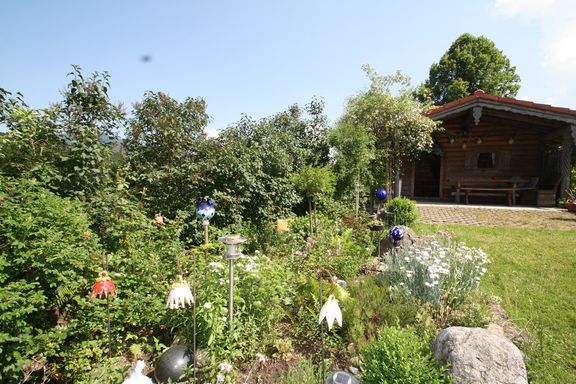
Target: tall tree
[
  {"x": 471, "y": 63},
  {"x": 162, "y": 144},
  {"x": 395, "y": 122},
  {"x": 89, "y": 123}
]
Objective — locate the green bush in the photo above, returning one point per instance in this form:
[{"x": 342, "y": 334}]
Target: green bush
[
  {"x": 400, "y": 356},
  {"x": 404, "y": 210},
  {"x": 47, "y": 263},
  {"x": 371, "y": 307}
]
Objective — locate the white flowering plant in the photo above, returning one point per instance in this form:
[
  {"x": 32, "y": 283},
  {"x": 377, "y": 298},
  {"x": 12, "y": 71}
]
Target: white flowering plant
[{"x": 437, "y": 271}]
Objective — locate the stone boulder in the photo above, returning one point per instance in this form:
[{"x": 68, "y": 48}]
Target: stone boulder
[{"x": 477, "y": 356}]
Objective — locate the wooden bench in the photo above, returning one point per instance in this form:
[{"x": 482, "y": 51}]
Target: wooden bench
[
  {"x": 490, "y": 187},
  {"x": 489, "y": 191}
]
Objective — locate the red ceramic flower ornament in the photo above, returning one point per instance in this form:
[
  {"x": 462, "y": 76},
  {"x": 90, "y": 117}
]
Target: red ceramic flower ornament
[{"x": 103, "y": 286}]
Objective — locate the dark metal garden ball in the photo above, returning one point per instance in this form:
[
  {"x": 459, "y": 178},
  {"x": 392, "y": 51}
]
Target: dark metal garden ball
[{"x": 173, "y": 363}]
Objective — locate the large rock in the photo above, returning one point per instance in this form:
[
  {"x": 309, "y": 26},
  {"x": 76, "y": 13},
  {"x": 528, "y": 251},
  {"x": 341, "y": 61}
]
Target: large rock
[{"x": 477, "y": 356}]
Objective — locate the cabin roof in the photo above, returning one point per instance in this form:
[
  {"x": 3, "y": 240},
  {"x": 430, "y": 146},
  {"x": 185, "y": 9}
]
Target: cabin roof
[{"x": 484, "y": 100}]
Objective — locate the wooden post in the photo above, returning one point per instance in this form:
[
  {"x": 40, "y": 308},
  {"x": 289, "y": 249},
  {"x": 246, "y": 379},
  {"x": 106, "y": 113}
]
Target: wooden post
[{"x": 206, "y": 224}]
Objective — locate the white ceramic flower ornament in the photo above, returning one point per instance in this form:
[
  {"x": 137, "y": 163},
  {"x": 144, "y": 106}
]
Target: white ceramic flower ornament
[
  {"x": 180, "y": 294},
  {"x": 331, "y": 311}
]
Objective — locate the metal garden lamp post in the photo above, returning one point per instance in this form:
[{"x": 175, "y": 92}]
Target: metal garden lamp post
[{"x": 231, "y": 253}]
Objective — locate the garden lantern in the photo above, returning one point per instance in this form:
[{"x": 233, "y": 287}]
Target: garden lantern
[
  {"x": 341, "y": 377},
  {"x": 103, "y": 286},
  {"x": 231, "y": 253},
  {"x": 205, "y": 210}
]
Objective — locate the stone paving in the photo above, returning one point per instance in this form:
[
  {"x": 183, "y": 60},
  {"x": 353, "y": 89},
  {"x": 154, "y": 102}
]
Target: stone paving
[{"x": 496, "y": 216}]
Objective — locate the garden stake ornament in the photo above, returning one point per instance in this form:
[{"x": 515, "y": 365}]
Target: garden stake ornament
[
  {"x": 104, "y": 286},
  {"x": 205, "y": 210},
  {"x": 180, "y": 295},
  {"x": 397, "y": 234}
]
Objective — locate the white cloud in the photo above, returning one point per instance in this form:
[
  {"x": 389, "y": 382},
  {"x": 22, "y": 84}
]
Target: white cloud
[
  {"x": 556, "y": 23},
  {"x": 523, "y": 9},
  {"x": 556, "y": 20},
  {"x": 560, "y": 49}
]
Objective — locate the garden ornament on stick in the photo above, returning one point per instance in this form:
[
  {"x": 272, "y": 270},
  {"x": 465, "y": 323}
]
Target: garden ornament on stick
[
  {"x": 331, "y": 312},
  {"x": 104, "y": 286},
  {"x": 205, "y": 210},
  {"x": 180, "y": 294}
]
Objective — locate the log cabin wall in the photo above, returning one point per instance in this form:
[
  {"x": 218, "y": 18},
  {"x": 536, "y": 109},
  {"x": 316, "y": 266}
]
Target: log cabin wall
[{"x": 514, "y": 151}]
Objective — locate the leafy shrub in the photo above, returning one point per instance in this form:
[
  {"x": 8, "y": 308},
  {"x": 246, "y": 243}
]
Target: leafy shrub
[
  {"x": 403, "y": 209},
  {"x": 371, "y": 307},
  {"x": 47, "y": 260},
  {"x": 337, "y": 250},
  {"x": 262, "y": 292},
  {"x": 437, "y": 272},
  {"x": 401, "y": 356}
]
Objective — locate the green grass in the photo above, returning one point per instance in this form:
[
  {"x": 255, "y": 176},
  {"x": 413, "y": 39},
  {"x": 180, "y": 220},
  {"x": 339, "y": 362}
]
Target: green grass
[{"x": 533, "y": 271}]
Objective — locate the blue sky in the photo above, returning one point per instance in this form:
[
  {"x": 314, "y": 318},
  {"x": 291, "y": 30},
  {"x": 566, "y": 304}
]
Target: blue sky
[{"x": 259, "y": 57}]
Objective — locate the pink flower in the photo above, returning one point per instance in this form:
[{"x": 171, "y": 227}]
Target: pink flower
[
  {"x": 225, "y": 367},
  {"x": 261, "y": 358}
]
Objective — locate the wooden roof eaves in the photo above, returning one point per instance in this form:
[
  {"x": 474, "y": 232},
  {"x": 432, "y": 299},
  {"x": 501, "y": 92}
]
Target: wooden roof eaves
[{"x": 496, "y": 105}]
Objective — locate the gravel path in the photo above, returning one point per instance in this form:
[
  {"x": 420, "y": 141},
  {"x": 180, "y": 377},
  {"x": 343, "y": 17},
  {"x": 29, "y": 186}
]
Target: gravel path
[{"x": 520, "y": 217}]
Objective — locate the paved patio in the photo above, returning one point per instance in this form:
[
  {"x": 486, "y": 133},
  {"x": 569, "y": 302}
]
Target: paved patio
[{"x": 497, "y": 216}]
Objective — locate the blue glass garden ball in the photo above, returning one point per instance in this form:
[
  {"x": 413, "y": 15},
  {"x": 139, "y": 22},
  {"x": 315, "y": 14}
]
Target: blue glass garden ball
[
  {"x": 397, "y": 234},
  {"x": 205, "y": 208},
  {"x": 173, "y": 363},
  {"x": 381, "y": 194}
]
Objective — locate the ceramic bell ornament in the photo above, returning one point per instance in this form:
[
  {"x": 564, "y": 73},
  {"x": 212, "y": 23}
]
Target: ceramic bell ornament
[
  {"x": 104, "y": 286},
  {"x": 179, "y": 295}
]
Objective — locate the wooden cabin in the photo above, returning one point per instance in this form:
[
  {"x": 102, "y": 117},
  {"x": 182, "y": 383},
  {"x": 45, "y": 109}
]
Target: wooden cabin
[{"x": 491, "y": 145}]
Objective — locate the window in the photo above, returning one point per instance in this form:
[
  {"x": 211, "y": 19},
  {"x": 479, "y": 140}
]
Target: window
[{"x": 486, "y": 160}]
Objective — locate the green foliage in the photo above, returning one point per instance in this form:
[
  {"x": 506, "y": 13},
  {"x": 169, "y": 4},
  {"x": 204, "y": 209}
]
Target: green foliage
[
  {"x": 337, "y": 250},
  {"x": 371, "y": 307},
  {"x": 88, "y": 124},
  {"x": 403, "y": 209},
  {"x": 164, "y": 143},
  {"x": 471, "y": 63},
  {"x": 314, "y": 180},
  {"x": 262, "y": 292},
  {"x": 31, "y": 147},
  {"x": 303, "y": 372},
  {"x": 401, "y": 356},
  {"x": 395, "y": 123},
  {"x": 354, "y": 150},
  {"x": 46, "y": 265}
]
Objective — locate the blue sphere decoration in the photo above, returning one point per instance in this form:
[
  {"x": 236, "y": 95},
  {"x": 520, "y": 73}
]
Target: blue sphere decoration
[
  {"x": 381, "y": 194},
  {"x": 205, "y": 208},
  {"x": 173, "y": 363},
  {"x": 397, "y": 234}
]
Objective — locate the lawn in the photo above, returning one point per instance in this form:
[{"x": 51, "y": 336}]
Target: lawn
[{"x": 533, "y": 272}]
